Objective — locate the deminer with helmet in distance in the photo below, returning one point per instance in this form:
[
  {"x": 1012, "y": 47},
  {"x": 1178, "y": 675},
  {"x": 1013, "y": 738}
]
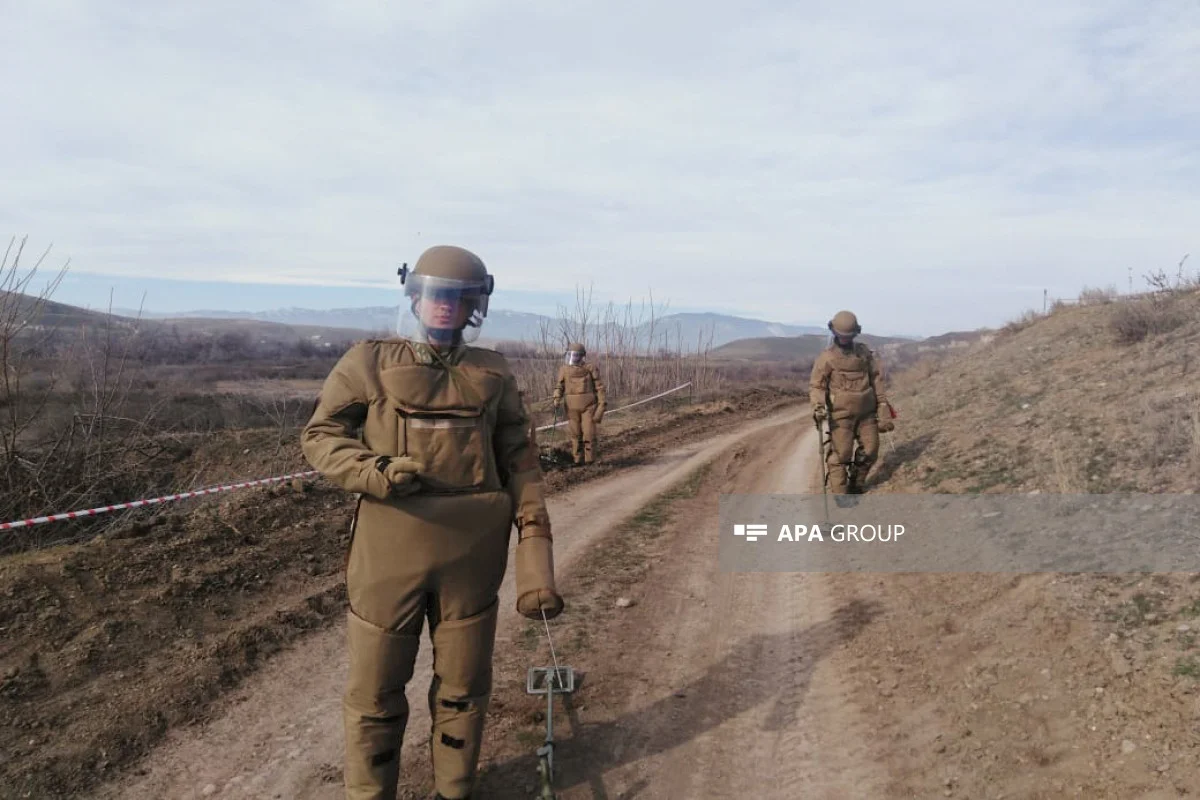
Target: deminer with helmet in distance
[
  {"x": 846, "y": 389},
  {"x": 580, "y": 385},
  {"x": 445, "y": 466}
]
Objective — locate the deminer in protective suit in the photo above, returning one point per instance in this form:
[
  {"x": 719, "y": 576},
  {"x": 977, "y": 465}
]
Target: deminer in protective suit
[
  {"x": 847, "y": 389},
  {"x": 580, "y": 384},
  {"x": 445, "y": 466}
]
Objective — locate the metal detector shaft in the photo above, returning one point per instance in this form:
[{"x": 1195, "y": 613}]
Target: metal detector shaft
[{"x": 824, "y": 467}]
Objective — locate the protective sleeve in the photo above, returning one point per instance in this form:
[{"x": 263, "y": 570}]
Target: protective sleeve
[
  {"x": 330, "y": 440},
  {"x": 877, "y": 382},
  {"x": 517, "y": 457},
  {"x": 560, "y": 384},
  {"x": 598, "y": 383},
  {"x": 819, "y": 382}
]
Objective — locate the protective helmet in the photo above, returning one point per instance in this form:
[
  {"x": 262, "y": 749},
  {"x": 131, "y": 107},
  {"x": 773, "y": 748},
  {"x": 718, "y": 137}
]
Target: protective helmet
[
  {"x": 575, "y": 353},
  {"x": 844, "y": 323},
  {"x": 446, "y": 293}
]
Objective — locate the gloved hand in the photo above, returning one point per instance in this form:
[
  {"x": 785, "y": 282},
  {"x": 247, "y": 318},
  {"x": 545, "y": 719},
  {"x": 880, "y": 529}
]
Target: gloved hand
[
  {"x": 820, "y": 412},
  {"x": 599, "y": 413},
  {"x": 401, "y": 473},
  {"x": 535, "y": 578}
]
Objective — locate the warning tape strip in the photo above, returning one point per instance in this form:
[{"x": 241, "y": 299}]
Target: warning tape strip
[
  {"x": 91, "y": 512},
  {"x": 622, "y": 408}
]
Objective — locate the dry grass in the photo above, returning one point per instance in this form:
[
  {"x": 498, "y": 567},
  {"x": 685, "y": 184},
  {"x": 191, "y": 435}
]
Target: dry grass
[
  {"x": 1139, "y": 319},
  {"x": 96, "y": 410},
  {"x": 1092, "y": 296},
  {"x": 1079, "y": 400}
]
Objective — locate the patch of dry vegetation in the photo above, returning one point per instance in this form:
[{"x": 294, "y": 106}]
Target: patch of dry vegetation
[
  {"x": 1092, "y": 397},
  {"x": 1049, "y": 685}
]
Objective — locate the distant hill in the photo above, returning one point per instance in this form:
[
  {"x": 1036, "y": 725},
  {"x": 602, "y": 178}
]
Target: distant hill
[
  {"x": 58, "y": 315},
  {"x": 64, "y": 319},
  {"x": 516, "y": 326},
  {"x": 953, "y": 339},
  {"x": 263, "y": 332},
  {"x": 501, "y": 325},
  {"x": 793, "y": 348},
  {"x": 721, "y": 329}
]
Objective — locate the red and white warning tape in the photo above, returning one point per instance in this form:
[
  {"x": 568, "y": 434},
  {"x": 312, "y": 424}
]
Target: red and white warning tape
[
  {"x": 91, "y": 512},
  {"x": 622, "y": 408}
]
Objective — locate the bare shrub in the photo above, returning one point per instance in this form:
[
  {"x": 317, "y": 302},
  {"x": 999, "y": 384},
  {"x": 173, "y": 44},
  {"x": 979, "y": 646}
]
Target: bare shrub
[
  {"x": 1162, "y": 283},
  {"x": 1135, "y": 320},
  {"x": 265, "y": 403},
  {"x": 1093, "y": 296},
  {"x": 636, "y": 354},
  {"x": 1021, "y": 323},
  {"x": 66, "y": 437}
]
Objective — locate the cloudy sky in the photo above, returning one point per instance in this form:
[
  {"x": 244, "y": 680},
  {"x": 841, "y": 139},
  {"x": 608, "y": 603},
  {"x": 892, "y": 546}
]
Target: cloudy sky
[{"x": 931, "y": 165}]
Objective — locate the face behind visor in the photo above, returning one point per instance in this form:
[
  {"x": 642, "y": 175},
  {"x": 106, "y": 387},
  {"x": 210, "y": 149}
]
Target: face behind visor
[{"x": 446, "y": 297}]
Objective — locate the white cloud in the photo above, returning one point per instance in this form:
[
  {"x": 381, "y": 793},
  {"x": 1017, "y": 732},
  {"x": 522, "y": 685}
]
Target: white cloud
[{"x": 779, "y": 158}]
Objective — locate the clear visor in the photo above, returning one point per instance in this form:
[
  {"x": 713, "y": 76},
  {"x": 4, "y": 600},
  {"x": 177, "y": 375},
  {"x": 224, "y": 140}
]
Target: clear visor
[
  {"x": 441, "y": 311},
  {"x": 573, "y": 357},
  {"x": 839, "y": 339}
]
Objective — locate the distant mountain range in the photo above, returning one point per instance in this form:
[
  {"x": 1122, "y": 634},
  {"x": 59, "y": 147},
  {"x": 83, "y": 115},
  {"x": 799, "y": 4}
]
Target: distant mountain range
[
  {"x": 725, "y": 337},
  {"x": 687, "y": 329},
  {"x": 896, "y": 351}
]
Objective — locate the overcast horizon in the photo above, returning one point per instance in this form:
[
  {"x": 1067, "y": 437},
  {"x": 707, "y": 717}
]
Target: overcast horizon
[{"x": 931, "y": 166}]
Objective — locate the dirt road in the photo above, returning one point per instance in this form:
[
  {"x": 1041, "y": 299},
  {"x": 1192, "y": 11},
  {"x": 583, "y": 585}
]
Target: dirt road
[
  {"x": 764, "y": 710},
  {"x": 717, "y": 684},
  {"x": 281, "y": 736}
]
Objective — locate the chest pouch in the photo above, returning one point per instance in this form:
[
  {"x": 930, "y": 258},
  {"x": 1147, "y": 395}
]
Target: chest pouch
[{"x": 445, "y": 422}]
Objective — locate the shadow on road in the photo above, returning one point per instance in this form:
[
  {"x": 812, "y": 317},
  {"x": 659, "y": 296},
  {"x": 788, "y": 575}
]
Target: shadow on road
[
  {"x": 729, "y": 688},
  {"x": 892, "y": 460}
]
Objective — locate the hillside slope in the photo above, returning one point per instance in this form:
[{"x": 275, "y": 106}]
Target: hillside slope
[
  {"x": 1044, "y": 685},
  {"x": 1066, "y": 404}
]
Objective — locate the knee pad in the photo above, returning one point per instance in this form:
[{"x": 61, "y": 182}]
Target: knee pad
[
  {"x": 835, "y": 459},
  {"x": 381, "y": 665}
]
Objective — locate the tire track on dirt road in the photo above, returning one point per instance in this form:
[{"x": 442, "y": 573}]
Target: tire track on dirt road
[
  {"x": 282, "y": 737},
  {"x": 782, "y": 634},
  {"x": 745, "y": 691}
]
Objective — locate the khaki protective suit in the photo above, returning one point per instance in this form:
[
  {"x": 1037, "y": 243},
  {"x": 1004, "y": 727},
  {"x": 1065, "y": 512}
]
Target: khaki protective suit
[
  {"x": 446, "y": 464},
  {"x": 580, "y": 385},
  {"x": 847, "y": 382}
]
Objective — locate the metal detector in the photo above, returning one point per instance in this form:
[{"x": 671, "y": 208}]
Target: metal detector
[{"x": 549, "y": 681}]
